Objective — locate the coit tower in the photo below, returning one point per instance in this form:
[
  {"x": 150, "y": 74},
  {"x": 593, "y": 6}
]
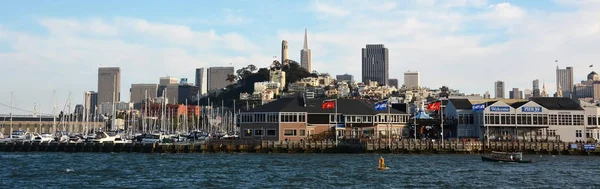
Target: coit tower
[{"x": 284, "y": 51}]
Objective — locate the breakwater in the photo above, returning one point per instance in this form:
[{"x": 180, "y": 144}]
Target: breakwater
[{"x": 230, "y": 146}]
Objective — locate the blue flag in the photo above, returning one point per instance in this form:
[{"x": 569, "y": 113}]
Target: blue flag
[
  {"x": 381, "y": 105},
  {"x": 478, "y": 107}
]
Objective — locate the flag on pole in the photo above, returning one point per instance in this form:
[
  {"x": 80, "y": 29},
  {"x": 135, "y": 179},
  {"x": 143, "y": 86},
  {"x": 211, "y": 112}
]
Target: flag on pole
[
  {"x": 434, "y": 106},
  {"x": 328, "y": 104},
  {"x": 379, "y": 106}
]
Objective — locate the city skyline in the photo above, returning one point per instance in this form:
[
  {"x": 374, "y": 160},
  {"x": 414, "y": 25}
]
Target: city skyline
[{"x": 50, "y": 49}]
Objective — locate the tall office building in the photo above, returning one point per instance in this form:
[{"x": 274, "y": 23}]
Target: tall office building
[
  {"x": 345, "y": 77},
  {"x": 499, "y": 89},
  {"x": 201, "y": 80},
  {"x": 306, "y": 54},
  {"x": 217, "y": 77},
  {"x": 168, "y": 80},
  {"x": 138, "y": 92},
  {"x": 375, "y": 64},
  {"x": 412, "y": 80},
  {"x": 536, "y": 88},
  {"x": 284, "y": 52},
  {"x": 109, "y": 84},
  {"x": 516, "y": 94},
  {"x": 91, "y": 102},
  {"x": 564, "y": 79},
  {"x": 393, "y": 83}
]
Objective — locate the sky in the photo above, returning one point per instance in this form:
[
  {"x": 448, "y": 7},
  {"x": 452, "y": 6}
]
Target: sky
[{"x": 55, "y": 47}]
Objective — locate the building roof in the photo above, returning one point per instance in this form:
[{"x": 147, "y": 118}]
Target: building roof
[
  {"x": 557, "y": 103},
  {"x": 462, "y": 104},
  {"x": 345, "y": 106},
  {"x": 518, "y": 104}
]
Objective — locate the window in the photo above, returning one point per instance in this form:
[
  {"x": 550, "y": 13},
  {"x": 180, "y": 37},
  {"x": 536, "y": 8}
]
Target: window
[
  {"x": 578, "y": 120},
  {"x": 289, "y": 132},
  {"x": 258, "y": 132},
  {"x": 551, "y": 133},
  {"x": 302, "y": 117},
  {"x": 553, "y": 119},
  {"x": 271, "y": 132},
  {"x": 248, "y": 133},
  {"x": 528, "y": 119},
  {"x": 578, "y": 133},
  {"x": 302, "y": 132}
]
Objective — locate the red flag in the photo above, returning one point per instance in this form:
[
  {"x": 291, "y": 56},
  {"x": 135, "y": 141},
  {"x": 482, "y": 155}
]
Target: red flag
[
  {"x": 433, "y": 106},
  {"x": 328, "y": 104}
]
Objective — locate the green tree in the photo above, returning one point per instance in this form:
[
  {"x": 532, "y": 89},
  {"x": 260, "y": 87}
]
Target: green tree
[{"x": 231, "y": 78}]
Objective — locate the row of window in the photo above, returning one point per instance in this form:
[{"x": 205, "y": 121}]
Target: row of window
[
  {"x": 301, "y": 117},
  {"x": 549, "y": 132},
  {"x": 519, "y": 119},
  {"x": 466, "y": 119},
  {"x": 259, "y": 132},
  {"x": 294, "y": 132}
]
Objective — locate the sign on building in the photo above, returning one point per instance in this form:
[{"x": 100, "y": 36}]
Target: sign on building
[
  {"x": 499, "y": 109},
  {"x": 531, "y": 109}
]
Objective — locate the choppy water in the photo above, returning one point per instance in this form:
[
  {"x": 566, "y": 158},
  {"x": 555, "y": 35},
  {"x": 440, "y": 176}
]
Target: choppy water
[{"x": 97, "y": 170}]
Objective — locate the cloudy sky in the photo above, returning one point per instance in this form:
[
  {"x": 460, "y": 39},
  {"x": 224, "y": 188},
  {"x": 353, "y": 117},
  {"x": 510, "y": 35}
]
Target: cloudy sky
[{"x": 48, "y": 46}]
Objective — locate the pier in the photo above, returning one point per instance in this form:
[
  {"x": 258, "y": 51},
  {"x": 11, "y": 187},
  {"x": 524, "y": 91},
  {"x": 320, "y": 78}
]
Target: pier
[{"x": 231, "y": 146}]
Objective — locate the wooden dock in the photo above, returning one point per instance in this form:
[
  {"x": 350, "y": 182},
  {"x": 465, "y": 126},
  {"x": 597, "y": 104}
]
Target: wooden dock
[{"x": 231, "y": 146}]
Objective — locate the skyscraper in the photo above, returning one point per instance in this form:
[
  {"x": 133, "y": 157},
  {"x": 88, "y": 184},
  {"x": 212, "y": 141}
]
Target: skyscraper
[
  {"x": 564, "y": 79},
  {"x": 393, "y": 83},
  {"x": 138, "y": 92},
  {"x": 217, "y": 77},
  {"x": 516, "y": 94},
  {"x": 109, "y": 84},
  {"x": 536, "y": 88},
  {"x": 201, "y": 80},
  {"x": 306, "y": 54},
  {"x": 499, "y": 89},
  {"x": 91, "y": 101},
  {"x": 375, "y": 64},
  {"x": 284, "y": 52},
  {"x": 412, "y": 80}
]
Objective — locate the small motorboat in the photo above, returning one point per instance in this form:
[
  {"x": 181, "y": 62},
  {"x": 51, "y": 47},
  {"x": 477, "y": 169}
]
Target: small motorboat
[{"x": 514, "y": 157}]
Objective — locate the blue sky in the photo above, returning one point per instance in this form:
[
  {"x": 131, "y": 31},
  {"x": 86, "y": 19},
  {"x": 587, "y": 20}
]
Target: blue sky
[{"x": 57, "y": 46}]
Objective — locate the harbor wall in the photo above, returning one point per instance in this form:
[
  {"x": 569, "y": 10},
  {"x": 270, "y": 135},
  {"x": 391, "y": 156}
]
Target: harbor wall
[{"x": 409, "y": 147}]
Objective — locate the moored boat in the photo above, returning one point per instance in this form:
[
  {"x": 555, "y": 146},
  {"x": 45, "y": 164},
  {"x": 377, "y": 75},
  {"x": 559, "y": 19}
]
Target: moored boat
[{"x": 515, "y": 157}]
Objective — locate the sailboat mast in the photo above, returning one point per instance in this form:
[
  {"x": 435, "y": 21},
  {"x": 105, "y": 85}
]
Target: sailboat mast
[
  {"x": 11, "y": 113},
  {"x": 53, "y": 112}
]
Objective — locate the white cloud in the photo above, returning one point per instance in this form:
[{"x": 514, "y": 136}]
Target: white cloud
[{"x": 325, "y": 10}]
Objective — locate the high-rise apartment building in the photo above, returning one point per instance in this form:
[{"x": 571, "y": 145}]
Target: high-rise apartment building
[
  {"x": 345, "y": 77},
  {"x": 90, "y": 103},
  {"x": 412, "y": 80},
  {"x": 499, "y": 89},
  {"x": 536, "y": 88},
  {"x": 564, "y": 79},
  {"x": 201, "y": 80},
  {"x": 306, "y": 54},
  {"x": 109, "y": 84},
  {"x": 217, "y": 77},
  {"x": 375, "y": 64},
  {"x": 139, "y": 92},
  {"x": 284, "y": 52}
]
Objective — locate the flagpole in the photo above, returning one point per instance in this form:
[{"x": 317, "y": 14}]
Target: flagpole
[
  {"x": 387, "y": 105},
  {"x": 336, "y": 122},
  {"x": 442, "y": 123}
]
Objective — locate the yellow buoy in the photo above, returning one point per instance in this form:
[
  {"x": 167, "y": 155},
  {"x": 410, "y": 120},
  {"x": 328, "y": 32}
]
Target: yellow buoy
[{"x": 381, "y": 165}]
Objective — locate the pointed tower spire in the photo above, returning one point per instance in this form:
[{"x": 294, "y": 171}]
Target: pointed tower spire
[{"x": 305, "y": 38}]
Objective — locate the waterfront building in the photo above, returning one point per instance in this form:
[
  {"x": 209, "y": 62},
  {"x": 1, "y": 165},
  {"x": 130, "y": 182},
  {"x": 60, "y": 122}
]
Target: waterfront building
[
  {"x": 375, "y": 64},
  {"x": 499, "y": 89},
  {"x": 306, "y": 54},
  {"x": 565, "y": 81},
  {"x": 201, "y": 80},
  {"x": 91, "y": 104},
  {"x": 459, "y": 114},
  {"x": 109, "y": 84},
  {"x": 139, "y": 92},
  {"x": 217, "y": 77},
  {"x": 299, "y": 118},
  {"x": 345, "y": 77},
  {"x": 412, "y": 80},
  {"x": 284, "y": 52}
]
